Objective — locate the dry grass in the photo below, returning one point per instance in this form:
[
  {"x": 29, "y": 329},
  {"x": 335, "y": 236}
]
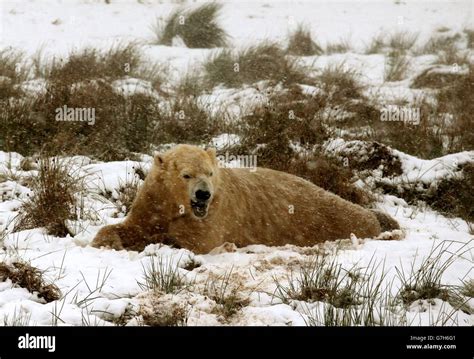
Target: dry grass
[
  {"x": 123, "y": 123},
  {"x": 54, "y": 199},
  {"x": 454, "y": 196},
  {"x": 340, "y": 47},
  {"x": 451, "y": 196},
  {"x": 320, "y": 279},
  {"x": 13, "y": 71},
  {"x": 226, "y": 294},
  {"x": 468, "y": 288},
  {"x": 453, "y": 56},
  {"x": 470, "y": 38},
  {"x": 449, "y": 49},
  {"x": 362, "y": 156},
  {"x": 191, "y": 84},
  {"x": 91, "y": 63},
  {"x": 329, "y": 173},
  {"x": 30, "y": 278},
  {"x": 457, "y": 101},
  {"x": 402, "y": 41},
  {"x": 396, "y": 66},
  {"x": 197, "y": 27},
  {"x": 349, "y": 297},
  {"x": 377, "y": 45},
  {"x": 293, "y": 117},
  {"x": 186, "y": 122},
  {"x": 424, "y": 281},
  {"x": 288, "y": 116},
  {"x": 437, "y": 43},
  {"x": 423, "y": 140},
  {"x": 162, "y": 275},
  {"x": 300, "y": 43},
  {"x": 265, "y": 61},
  {"x": 340, "y": 83},
  {"x": 118, "y": 61},
  {"x": 172, "y": 316}
]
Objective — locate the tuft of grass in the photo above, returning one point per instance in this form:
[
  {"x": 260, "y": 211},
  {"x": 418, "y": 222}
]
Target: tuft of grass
[
  {"x": 328, "y": 173},
  {"x": 28, "y": 164},
  {"x": 447, "y": 47},
  {"x": 13, "y": 71},
  {"x": 454, "y": 56},
  {"x": 19, "y": 318},
  {"x": 454, "y": 196},
  {"x": 198, "y": 28},
  {"x": 227, "y": 296},
  {"x": 424, "y": 140},
  {"x": 185, "y": 121},
  {"x": 170, "y": 316},
  {"x": 402, "y": 41},
  {"x": 91, "y": 63},
  {"x": 340, "y": 47},
  {"x": 31, "y": 278},
  {"x": 300, "y": 43},
  {"x": 340, "y": 83},
  {"x": 348, "y": 297},
  {"x": 424, "y": 281},
  {"x": 54, "y": 199},
  {"x": 265, "y": 61},
  {"x": 396, "y": 66},
  {"x": 438, "y": 43},
  {"x": 123, "y": 123},
  {"x": 456, "y": 103},
  {"x": 290, "y": 116},
  {"x": 468, "y": 288},
  {"x": 470, "y": 38},
  {"x": 377, "y": 45},
  {"x": 191, "y": 84},
  {"x": 321, "y": 279},
  {"x": 162, "y": 274},
  {"x": 451, "y": 196},
  {"x": 370, "y": 156}
]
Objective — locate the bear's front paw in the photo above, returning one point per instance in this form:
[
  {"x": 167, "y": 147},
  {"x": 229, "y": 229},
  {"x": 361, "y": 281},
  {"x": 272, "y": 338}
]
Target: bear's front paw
[{"x": 108, "y": 237}]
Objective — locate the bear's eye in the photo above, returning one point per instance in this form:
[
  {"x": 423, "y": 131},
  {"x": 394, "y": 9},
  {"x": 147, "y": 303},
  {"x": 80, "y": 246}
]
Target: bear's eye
[
  {"x": 210, "y": 174},
  {"x": 186, "y": 176}
]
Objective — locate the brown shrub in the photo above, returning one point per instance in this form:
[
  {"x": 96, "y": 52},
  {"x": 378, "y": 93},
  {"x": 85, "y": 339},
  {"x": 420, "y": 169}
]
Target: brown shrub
[
  {"x": 301, "y": 43},
  {"x": 53, "y": 201},
  {"x": 30, "y": 278}
]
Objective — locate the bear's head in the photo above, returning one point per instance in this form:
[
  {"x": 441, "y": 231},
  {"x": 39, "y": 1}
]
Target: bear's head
[{"x": 189, "y": 175}]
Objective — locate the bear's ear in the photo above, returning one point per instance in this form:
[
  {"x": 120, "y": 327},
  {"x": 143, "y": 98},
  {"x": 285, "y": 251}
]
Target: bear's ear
[
  {"x": 159, "y": 160},
  {"x": 211, "y": 152}
]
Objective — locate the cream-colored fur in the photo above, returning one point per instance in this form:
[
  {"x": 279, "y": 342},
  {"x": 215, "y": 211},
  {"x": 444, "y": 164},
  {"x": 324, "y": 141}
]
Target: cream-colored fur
[{"x": 245, "y": 207}]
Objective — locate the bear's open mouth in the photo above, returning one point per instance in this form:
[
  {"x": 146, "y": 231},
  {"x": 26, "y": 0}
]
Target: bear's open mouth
[{"x": 199, "y": 208}]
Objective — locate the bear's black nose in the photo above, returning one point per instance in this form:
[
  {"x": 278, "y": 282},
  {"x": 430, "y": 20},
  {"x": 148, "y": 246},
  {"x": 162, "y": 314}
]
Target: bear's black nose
[{"x": 203, "y": 195}]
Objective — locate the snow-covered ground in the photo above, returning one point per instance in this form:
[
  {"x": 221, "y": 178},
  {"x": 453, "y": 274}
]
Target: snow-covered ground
[{"x": 101, "y": 287}]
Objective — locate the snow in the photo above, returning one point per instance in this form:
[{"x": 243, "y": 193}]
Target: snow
[
  {"x": 101, "y": 287},
  {"x": 106, "y": 281},
  {"x": 415, "y": 170}
]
